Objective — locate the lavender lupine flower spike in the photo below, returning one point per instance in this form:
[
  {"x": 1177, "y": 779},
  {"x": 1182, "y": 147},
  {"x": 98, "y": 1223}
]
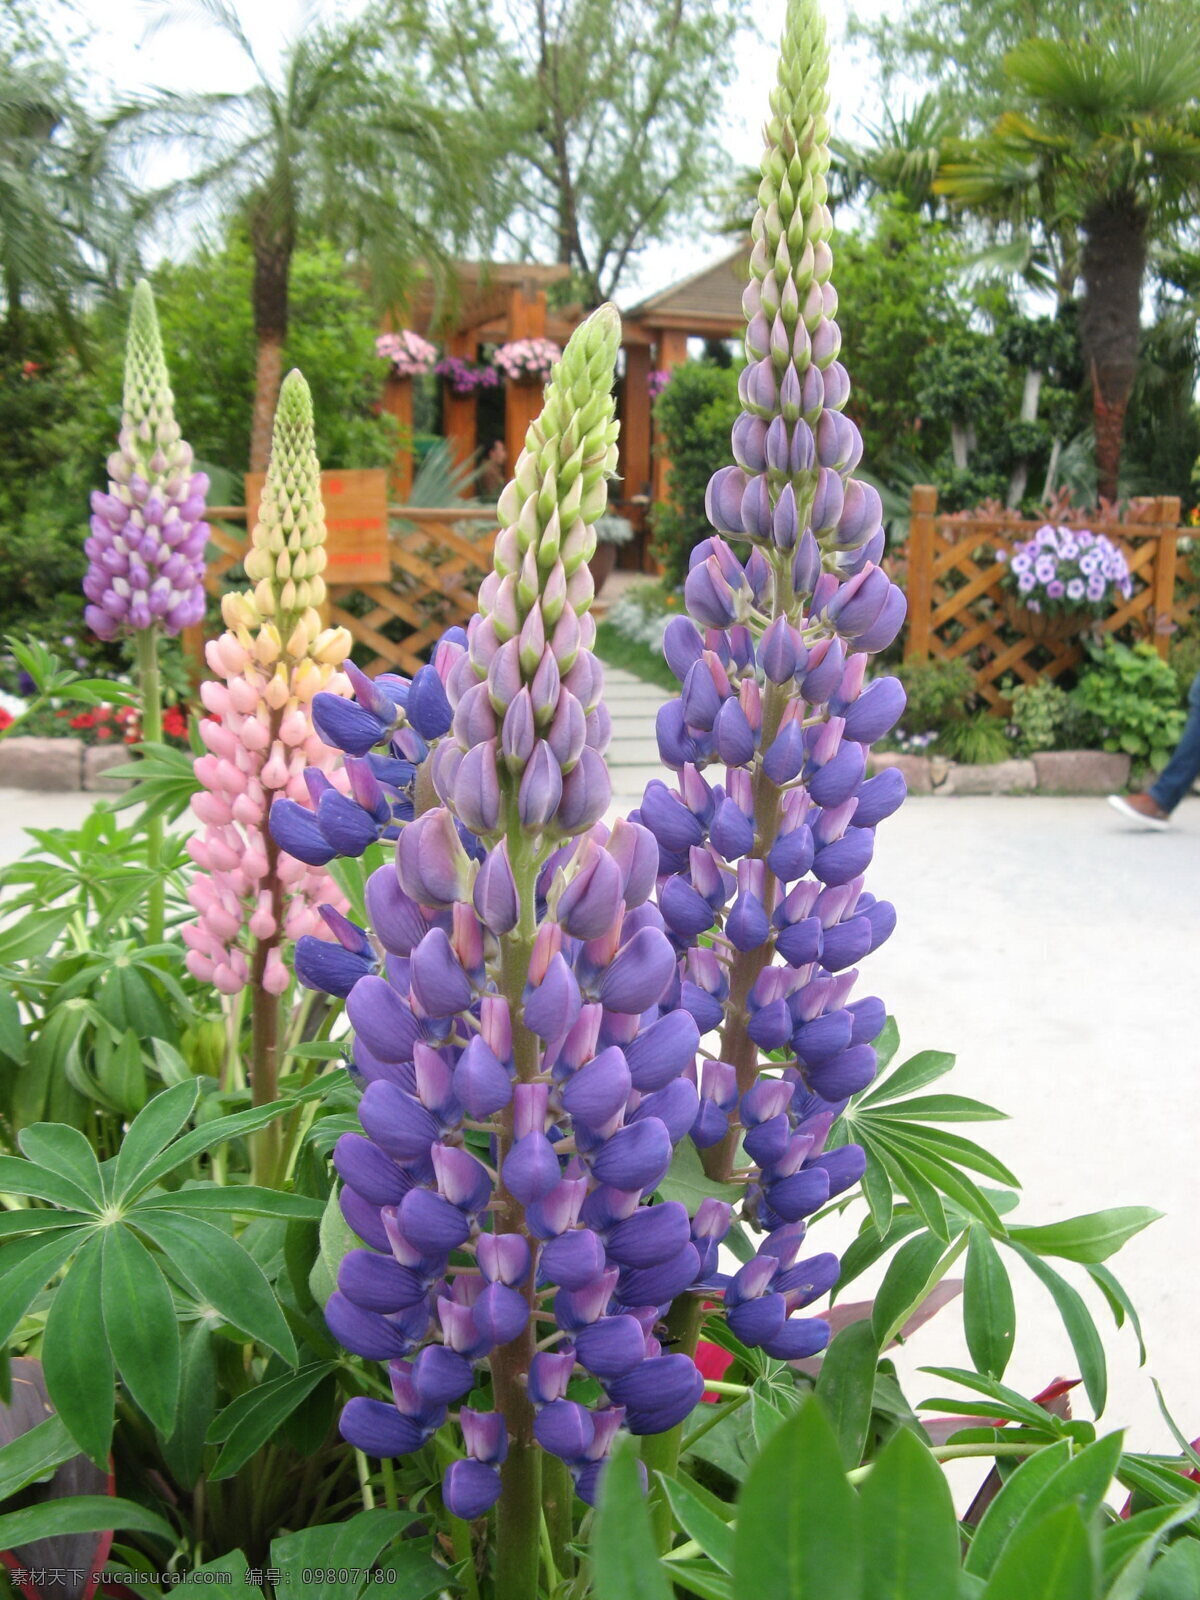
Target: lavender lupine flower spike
[
  {"x": 148, "y": 534},
  {"x": 774, "y": 690}
]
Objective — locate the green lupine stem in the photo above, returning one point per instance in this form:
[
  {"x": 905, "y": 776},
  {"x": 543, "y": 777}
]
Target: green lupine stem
[
  {"x": 960, "y": 1452},
  {"x": 519, "y": 1509},
  {"x": 558, "y": 1495},
  {"x": 266, "y": 1144},
  {"x": 716, "y": 1414},
  {"x": 150, "y": 685},
  {"x": 661, "y": 1451}
]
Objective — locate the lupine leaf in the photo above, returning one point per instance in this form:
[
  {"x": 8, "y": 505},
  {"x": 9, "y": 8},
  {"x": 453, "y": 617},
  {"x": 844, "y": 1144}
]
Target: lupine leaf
[
  {"x": 887, "y": 1044},
  {"x": 200, "y": 1140},
  {"x": 687, "y": 1181},
  {"x": 910, "y": 1534},
  {"x": 1010, "y": 1505},
  {"x": 989, "y": 1313},
  {"x": 1090, "y": 1238},
  {"x": 37, "y": 1220},
  {"x": 1177, "y": 1575},
  {"x": 944, "y": 1108},
  {"x": 701, "y": 1578},
  {"x": 954, "y": 1148},
  {"x": 26, "y": 1266},
  {"x": 920, "y": 1192},
  {"x": 184, "y": 1449},
  {"x": 13, "y": 1041},
  {"x": 1051, "y": 1561},
  {"x": 816, "y": 1555},
  {"x": 34, "y": 1454},
  {"x": 912, "y": 1272},
  {"x": 255, "y": 1417},
  {"x": 915, "y": 1073},
  {"x": 240, "y": 1199},
  {"x": 846, "y": 1388},
  {"x": 1080, "y": 1326},
  {"x": 923, "y": 1156},
  {"x": 84, "y": 1513},
  {"x": 1128, "y": 1574},
  {"x": 1159, "y": 1483},
  {"x": 76, "y": 1359},
  {"x": 222, "y": 1275},
  {"x": 699, "y": 1521},
  {"x": 1082, "y": 1482},
  {"x": 150, "y": 1132},
  {"x": 32, "y": 936},
  {"x": 625, "y": 1563},
  {"x": 877, "y": 1191},
  {"x": 870, "y": 1245},
  {"x": 139, "y": 1322},
  {"x": 66, "y": 1155}
]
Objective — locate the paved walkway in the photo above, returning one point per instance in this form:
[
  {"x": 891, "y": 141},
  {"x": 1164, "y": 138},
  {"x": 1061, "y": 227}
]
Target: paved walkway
[{"x": 1057, "y": 953}]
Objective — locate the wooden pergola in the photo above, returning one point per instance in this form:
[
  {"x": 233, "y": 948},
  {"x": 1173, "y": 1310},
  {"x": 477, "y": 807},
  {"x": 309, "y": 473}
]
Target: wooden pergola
[{"x": 495, "y": 302}]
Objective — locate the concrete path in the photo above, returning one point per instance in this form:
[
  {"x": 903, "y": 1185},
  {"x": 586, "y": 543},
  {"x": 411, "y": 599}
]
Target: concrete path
[{"x": 1057, "y": 953}]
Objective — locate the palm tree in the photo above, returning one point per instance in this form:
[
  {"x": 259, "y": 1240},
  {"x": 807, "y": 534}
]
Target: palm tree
[
  {"x": 1105, "y": 155},
  {"x": 333, "y": 144},
  {"x": 903, "y": 155}
]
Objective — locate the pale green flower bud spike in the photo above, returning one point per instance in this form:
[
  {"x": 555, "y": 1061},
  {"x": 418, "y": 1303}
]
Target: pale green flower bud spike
[
  {"x": 287, "y": 554},
  {"x": 149, "y": 433}
]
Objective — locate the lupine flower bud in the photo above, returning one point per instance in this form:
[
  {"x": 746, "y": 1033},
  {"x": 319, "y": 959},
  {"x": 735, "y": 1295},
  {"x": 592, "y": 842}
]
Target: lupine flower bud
[{"x": 148, "y": 535}]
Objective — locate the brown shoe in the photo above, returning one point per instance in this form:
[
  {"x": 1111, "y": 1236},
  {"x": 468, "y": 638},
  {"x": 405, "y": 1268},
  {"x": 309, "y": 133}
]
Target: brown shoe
[{"x": 1141, "y": 809}]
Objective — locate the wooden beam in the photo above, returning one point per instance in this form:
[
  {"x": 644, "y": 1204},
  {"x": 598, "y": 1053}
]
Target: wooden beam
[
  {"x": 397, "y": 402},
  {"x": 672, "y": 353},
  {"x": 635, "y": 422},
  {"x": 922, "y": 530},
  {"x": 522, "y": 401},
  {"x": 1166, "y": 513},
  {"x": 459, "y": 411}
]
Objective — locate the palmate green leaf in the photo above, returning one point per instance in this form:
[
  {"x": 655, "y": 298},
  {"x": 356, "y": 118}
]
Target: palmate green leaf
[
  {"x": 67, "y": 1152},
  {"x": 922, "y": 1157},
  {"x": 139, "y": 1322},
  {"x": 150, "y": 1132},
  {"x": 206, "y": 1137},
  {"x": 184, "y": 1449},
  {"x": 34, "y": 1455},
  {"x": 237, "y": 1199},
  {"x": 877, "y": 1191},
  {"x": 989, "y": 1313},
  {"x": 918, "y": 1265},
  {"x": 693, "y": 1512},
  {"x": 942, "y": 1108},
  {"x": 38, "y": 1220},
  {"x": 948, "y": 1146},
  {"x": 1082, "y": 1482},
  {"x": 1090, "y": 1239},
  {"x": 846, "y": 1388},
  {"x": 913, "y": 1184},
  {"x": 33, "y": 935},
  {"x": 13, "y": 1041},
  {"x": 26, "y": 1266},
  {"x": 910, "y": 1533},
  {"x": 1160, "y": 1484},
  {"x": 887, "y": 1044},
  {"x": 1010, "y": 1505},
  {"x": 870, "y": 1245},
  {"x": 221, "y": 1274},
  {"x": 45, "y": 1183},
  {"x": 625, "y": 1563},
  {"x": 84, "y": 1513},
  {"x": 1001, "y": 1399},
  {"x": 1187, "y": 1450},
  {"x": 1053, "y": 1560},
  {"x": 687, "y": 1181},
  {"x": 1077, "y": 1320},
  {"x": 798, "y": 1526},
  {"x": 701, "y": 1578},
  {"x": 1120, "y": 1304},
  {"x": 256, "y": 1416},
  {"x": 915, "y": 1073},
  {"x": 76, "y": 1359}
]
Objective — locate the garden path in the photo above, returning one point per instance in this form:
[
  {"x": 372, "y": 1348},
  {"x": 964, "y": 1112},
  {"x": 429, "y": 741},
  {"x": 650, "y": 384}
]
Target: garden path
[{"x": 1056, "y": 952}]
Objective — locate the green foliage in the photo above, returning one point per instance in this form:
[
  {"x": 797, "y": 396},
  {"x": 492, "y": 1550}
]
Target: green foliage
[
  {"x": 694, "y": 413},
  {"x": 938, "y": 692},
  {"x": 961, "y": 377},
  {"x": 1131, "y": 698},
  {"x": 975, "y": 740},
  {"x": 204, "y": 310},
  {"x": 1045, "y": 716},
  {"x": 1184, "y": 661}
]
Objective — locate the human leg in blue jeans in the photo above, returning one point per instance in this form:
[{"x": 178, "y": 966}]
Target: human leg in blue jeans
[{"x": 1153, "y": 807}]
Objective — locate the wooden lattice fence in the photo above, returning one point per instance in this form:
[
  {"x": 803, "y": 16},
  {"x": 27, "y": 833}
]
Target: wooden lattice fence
[
  {"x": 439, "y": 557},
  {"x": 956, "y": 605}
]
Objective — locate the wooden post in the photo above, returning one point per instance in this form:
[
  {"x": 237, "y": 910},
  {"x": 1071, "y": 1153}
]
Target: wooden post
[
  {"x": 459, "y": 411},
  {"x": 397, "y": 400},
  {"x": 635, "y": 421},
  {"x": 1166, "y": 514},
  {"x": 523, "y": 401},
  {"x": 922, "y": 531},
  {"x": 672, "y": 353}
]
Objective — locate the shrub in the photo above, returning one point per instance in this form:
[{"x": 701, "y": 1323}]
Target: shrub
[
  {"x": 1184, "y": 660},
  {"x": 1045, "y": 717},
  {"x": 695, "y": 413},
  {"x": 974, "y": 740},
  {"x": 1131, "y": 697},
  {"x": 939, "y": 693}
]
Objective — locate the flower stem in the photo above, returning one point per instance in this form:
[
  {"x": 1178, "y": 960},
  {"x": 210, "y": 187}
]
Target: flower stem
[
  {"x": 661, "y": 1451},
  {"x": 266, "y": 1145},
  {"x": 959, "y": 1452},
  {"x": 150, "y": 685}
]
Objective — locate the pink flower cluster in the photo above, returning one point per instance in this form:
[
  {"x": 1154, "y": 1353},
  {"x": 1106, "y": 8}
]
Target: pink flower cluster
[
  {"x": 260, "y": 742},
  {"x": 464, "y": 377},
  {"x": 526, "y": 358},
  {"x": 409, "y": 354},
  {"x": 657, "y": 381}
]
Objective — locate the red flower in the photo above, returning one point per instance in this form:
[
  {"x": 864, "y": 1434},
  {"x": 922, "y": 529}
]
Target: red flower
[
  {"x": 104, "y": 733},
  {"x": 175, "y": 723},
  {"x": 712, "y": 1362},
  {"x": 5, "y": 718},
  {"x": 85, "y": 719}
]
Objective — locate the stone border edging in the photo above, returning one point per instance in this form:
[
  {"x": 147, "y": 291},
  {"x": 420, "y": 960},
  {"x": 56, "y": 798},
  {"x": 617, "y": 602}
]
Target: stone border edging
[
  {"x": 60, "y": 766},
  {"x": 1083, "y": 772}
]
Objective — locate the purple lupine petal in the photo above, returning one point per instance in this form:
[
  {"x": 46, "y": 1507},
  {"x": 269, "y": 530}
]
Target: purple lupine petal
[
  {"x": 574, "y": 1259},
  {"x": 612, "y": 1346},
  {"x": 378, "y": 1429},
  {"x": 470, "y": 1488}
]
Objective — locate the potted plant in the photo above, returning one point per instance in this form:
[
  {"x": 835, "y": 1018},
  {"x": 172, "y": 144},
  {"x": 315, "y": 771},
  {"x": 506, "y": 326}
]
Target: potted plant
[
  {"x": 1060, "y": 579},
  {"x": 409, "y": 354},
  {"x": 526, "y": 360}
]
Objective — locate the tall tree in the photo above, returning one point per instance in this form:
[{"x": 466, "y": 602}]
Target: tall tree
[
  {"x": 337, "y": 143},
  {"x": 607, "y": 111},
  {"x": 1105, "y": 143}
]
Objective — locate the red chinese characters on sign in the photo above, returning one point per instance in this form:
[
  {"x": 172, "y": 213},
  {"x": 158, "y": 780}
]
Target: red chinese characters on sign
[{"x": 356, "y": 523}]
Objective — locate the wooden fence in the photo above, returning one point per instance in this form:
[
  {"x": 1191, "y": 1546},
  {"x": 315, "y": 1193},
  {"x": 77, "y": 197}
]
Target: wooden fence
[
  {"x": 956, "y": 604},
  {"x": 439, "y": 557}
]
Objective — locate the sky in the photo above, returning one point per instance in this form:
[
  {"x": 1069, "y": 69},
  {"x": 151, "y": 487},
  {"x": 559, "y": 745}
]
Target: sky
[{"x": 128, "y": 52}]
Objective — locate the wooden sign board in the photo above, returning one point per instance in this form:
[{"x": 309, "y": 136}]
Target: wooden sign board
[{"x": 356, "y": 523}]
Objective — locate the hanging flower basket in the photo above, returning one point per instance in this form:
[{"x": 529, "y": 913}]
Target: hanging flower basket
[
  {"x": 526, "y": 360},
  {"x": 1061, "y": 581},
  {"x": 465, "y": 378},
  {"x": 409, "y": 354}
]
